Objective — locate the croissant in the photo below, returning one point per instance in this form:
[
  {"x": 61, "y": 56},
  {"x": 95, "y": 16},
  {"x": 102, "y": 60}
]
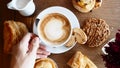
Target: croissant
[{"x": 13, "y": 33}]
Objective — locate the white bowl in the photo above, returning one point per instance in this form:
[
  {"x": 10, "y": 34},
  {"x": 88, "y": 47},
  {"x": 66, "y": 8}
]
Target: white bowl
[{"x": 106, "y": 45}]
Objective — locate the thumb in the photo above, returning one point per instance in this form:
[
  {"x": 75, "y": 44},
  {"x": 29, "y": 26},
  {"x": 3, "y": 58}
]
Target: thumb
[{"x": 35, "y": 45}]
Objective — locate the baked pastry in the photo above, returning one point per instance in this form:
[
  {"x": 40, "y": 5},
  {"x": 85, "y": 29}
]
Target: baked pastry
[
  {"x": 98, "y": 4},
  {"x": 45, "y": 63},
  {"x": 13, "y": 33},
  {"x": 97, "y": 31},
  {"x": 78, "y": 35},
  {"x": 80, "y": 61},
  {"x": 71, "y": 42},
  {"x": 86, "y": 5}
]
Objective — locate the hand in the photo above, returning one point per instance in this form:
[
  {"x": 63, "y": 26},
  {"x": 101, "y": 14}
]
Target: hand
[{"x": 27, "y": 51}]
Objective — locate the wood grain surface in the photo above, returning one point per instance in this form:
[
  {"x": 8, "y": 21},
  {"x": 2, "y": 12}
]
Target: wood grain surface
[{"x": 109, "y": 11}]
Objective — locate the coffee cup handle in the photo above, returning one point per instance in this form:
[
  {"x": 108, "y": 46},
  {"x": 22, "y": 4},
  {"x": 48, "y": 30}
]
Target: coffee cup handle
[{"x": 37, "y": 21}]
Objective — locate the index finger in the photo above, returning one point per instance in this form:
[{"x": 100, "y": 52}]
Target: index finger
[
  {"x": 24, "y": 43},
  {"x": 27, "y": 38}
]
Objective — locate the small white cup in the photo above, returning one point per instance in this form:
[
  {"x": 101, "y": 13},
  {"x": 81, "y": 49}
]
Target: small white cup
[
  {"x": 53, "y": 45},
  {"x": 25, "y": 7}
]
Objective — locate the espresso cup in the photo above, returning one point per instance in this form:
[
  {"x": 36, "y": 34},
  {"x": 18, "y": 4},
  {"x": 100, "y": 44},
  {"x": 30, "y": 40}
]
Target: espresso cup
[{"x": 54, "y": 30}]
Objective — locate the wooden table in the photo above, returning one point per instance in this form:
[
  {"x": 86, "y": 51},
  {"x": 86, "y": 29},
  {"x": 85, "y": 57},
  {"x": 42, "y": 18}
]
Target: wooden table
[{"x": 110, "y": 12}]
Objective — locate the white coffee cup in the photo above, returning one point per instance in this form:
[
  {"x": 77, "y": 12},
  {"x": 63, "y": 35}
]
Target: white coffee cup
[
  {"x": 54, "y": 30},
  {"x": 25, "y": 7}
]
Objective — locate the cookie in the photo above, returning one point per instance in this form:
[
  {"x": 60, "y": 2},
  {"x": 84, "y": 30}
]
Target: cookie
[
  {"x": 71, "y": 42},
  {"x": 97, "y": 31},
  {"x": 80, "y": 35}
]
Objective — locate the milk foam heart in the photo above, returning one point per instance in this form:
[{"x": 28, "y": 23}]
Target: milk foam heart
[{"x": 56, "y": 27}]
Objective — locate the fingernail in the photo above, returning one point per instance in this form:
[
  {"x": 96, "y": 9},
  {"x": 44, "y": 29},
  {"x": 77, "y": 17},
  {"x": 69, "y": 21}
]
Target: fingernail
[
  {"x": 49, "y": 53},
  {"x": 36, "y": 39}
]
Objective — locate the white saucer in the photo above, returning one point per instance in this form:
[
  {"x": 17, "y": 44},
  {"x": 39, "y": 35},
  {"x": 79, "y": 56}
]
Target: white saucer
[
  {"x": 106, "y": 45},
  {"x": 70, "y": 16}
]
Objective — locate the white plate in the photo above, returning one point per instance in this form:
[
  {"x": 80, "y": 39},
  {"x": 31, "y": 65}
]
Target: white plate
[
  {"x": 106, "y": 45},
  {"x": 70, "y": 16}
]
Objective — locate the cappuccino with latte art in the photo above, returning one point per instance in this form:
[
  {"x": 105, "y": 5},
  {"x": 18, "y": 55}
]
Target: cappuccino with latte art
[{"x": 54, "y": 29}]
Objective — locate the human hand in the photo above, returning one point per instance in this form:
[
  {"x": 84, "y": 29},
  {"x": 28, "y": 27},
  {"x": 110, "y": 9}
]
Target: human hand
[{"x": 27, "y": 51}]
